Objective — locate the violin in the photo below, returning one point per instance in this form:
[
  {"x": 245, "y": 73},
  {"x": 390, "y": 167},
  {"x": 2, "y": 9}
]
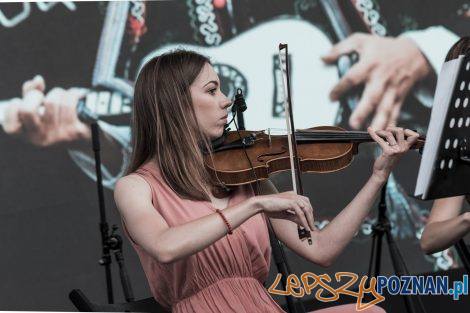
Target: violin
[{"x": 248, "y": 156}]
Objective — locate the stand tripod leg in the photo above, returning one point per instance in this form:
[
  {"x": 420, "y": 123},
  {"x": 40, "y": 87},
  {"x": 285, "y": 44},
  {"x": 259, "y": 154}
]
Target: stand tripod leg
[
  {"x": 109, "y": 284},
  {"x": 464, "y": 254},
  {"x": 379, "y": 229},
  {"x": 375, "y": 255},
  {"x": 106, "y": 262},
  {"x": 125, "y": 281},
  {"x": 462, "y": 248},
  {"x": 115, "y": 243},
  {"x": 294, "y": 305},
  {"x": 400, "y": 269},
  {"x": 375, "y": 259}
]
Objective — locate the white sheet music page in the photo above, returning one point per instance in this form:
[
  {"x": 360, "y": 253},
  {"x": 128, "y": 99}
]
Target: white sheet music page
[{"x": 442, "y": 96}]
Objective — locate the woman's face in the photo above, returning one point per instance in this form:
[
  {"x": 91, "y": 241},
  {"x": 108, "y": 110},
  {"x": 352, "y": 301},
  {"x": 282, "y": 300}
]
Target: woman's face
[{"x": 210, "y": 104}]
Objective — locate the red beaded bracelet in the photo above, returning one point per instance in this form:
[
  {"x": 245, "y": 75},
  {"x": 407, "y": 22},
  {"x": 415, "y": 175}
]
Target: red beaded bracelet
[{"x": 229, "y": 227}]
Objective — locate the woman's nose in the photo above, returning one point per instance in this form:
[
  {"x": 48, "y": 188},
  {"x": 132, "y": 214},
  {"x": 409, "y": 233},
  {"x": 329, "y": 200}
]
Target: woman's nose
[{"x": 226, "y": 102}]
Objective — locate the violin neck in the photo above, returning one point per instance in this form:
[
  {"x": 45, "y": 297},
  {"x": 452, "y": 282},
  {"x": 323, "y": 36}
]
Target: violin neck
[
  {"x": 328, "y": 136},
  {"x": 332, "y": 136}
]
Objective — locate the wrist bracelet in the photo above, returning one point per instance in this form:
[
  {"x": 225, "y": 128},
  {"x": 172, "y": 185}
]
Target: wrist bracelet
[{"x": 229, "y": 227}]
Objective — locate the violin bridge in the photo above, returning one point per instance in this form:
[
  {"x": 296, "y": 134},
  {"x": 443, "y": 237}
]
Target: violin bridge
[{"x": 269, "y": 137}]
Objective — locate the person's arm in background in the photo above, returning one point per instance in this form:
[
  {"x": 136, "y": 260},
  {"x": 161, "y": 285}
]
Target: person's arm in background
[
  {"x": 115, "y": 152},
  {"x": 433, "y": 43},
  {"x": 445, "y": 225},
  {"x": 389, "y": 67},
  {"x": 47, "y": 119}
]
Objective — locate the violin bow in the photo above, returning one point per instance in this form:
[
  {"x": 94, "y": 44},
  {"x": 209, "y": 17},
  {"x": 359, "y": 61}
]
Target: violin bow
[{"x": 292, "y": 142}]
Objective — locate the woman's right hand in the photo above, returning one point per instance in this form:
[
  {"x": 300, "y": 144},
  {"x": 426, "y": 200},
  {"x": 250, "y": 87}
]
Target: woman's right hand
[{"x": 288, "y": 206}]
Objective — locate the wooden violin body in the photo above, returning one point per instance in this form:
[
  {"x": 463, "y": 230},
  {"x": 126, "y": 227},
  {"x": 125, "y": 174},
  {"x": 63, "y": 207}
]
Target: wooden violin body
[{"x": 257, "y": 155}]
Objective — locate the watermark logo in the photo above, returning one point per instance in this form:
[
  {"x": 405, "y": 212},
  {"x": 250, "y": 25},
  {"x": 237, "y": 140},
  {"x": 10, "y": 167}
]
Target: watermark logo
[{"x": 405, "y": 285}]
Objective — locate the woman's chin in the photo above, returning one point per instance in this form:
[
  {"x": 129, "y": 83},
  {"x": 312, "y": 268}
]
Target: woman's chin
[
  {"x": 215, "y": 136},
  {"x": 215, "y": 133},
  {"x": 219, "y": 133}
]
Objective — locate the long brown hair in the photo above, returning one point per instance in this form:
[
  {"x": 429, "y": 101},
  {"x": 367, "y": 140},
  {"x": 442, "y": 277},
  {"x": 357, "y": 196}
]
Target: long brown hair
[
  {"x": 164, "y": 125},
  {"x": 460, "y": 47}
]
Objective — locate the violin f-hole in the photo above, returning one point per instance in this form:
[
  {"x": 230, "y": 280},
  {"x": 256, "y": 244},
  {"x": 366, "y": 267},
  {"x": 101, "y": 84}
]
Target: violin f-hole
[{"x": 260, "y": 157}]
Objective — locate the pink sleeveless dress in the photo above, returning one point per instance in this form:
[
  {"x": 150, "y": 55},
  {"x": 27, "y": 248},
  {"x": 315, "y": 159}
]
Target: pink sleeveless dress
[{"x": 226, "y": 277}]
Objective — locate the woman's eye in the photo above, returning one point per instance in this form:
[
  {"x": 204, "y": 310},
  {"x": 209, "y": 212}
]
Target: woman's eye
[{"x": 212, "y": 91}]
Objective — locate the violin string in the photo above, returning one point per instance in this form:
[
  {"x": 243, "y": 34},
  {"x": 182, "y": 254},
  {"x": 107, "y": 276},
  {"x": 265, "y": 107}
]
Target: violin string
[
  {"x": 325, "y": 135},
  {"x": 332, "y": 135}
]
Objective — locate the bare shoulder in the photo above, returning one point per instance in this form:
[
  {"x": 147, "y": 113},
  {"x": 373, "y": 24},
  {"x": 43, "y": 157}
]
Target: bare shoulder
[
  {"x": 130, "y": 184},
  {"x": 133, "y": 197},
  {"x": 131, "y": 189},
  {"x": 131, "y": 180}
]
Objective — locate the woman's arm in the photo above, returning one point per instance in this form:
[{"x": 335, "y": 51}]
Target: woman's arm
[
  {"x": 168, "y": 244},
  {"x": 445, "y": 225},
  {"x": 329, "y": 242}
]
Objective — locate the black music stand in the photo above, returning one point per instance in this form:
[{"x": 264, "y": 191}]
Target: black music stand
[
  {"x": 381, "y": 227},
  {"x": 445, "y": 167}
]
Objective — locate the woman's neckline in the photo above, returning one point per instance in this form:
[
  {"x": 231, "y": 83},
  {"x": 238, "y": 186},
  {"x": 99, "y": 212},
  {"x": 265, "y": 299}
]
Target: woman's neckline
[{"x": 229, "y": 198}]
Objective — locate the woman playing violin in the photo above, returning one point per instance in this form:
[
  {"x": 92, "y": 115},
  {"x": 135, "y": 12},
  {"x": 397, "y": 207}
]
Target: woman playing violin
[{"x": 201, "y": 253}]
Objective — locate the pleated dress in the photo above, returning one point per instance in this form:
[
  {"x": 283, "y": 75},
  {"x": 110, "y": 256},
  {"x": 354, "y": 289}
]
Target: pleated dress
[{"x": 225, "y": 277}]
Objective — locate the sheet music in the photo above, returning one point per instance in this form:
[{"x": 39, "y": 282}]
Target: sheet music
[{"x": 445, "y": 85}]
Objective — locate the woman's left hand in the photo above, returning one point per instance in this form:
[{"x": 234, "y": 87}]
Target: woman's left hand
[{"x": 394, "y": 141}]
